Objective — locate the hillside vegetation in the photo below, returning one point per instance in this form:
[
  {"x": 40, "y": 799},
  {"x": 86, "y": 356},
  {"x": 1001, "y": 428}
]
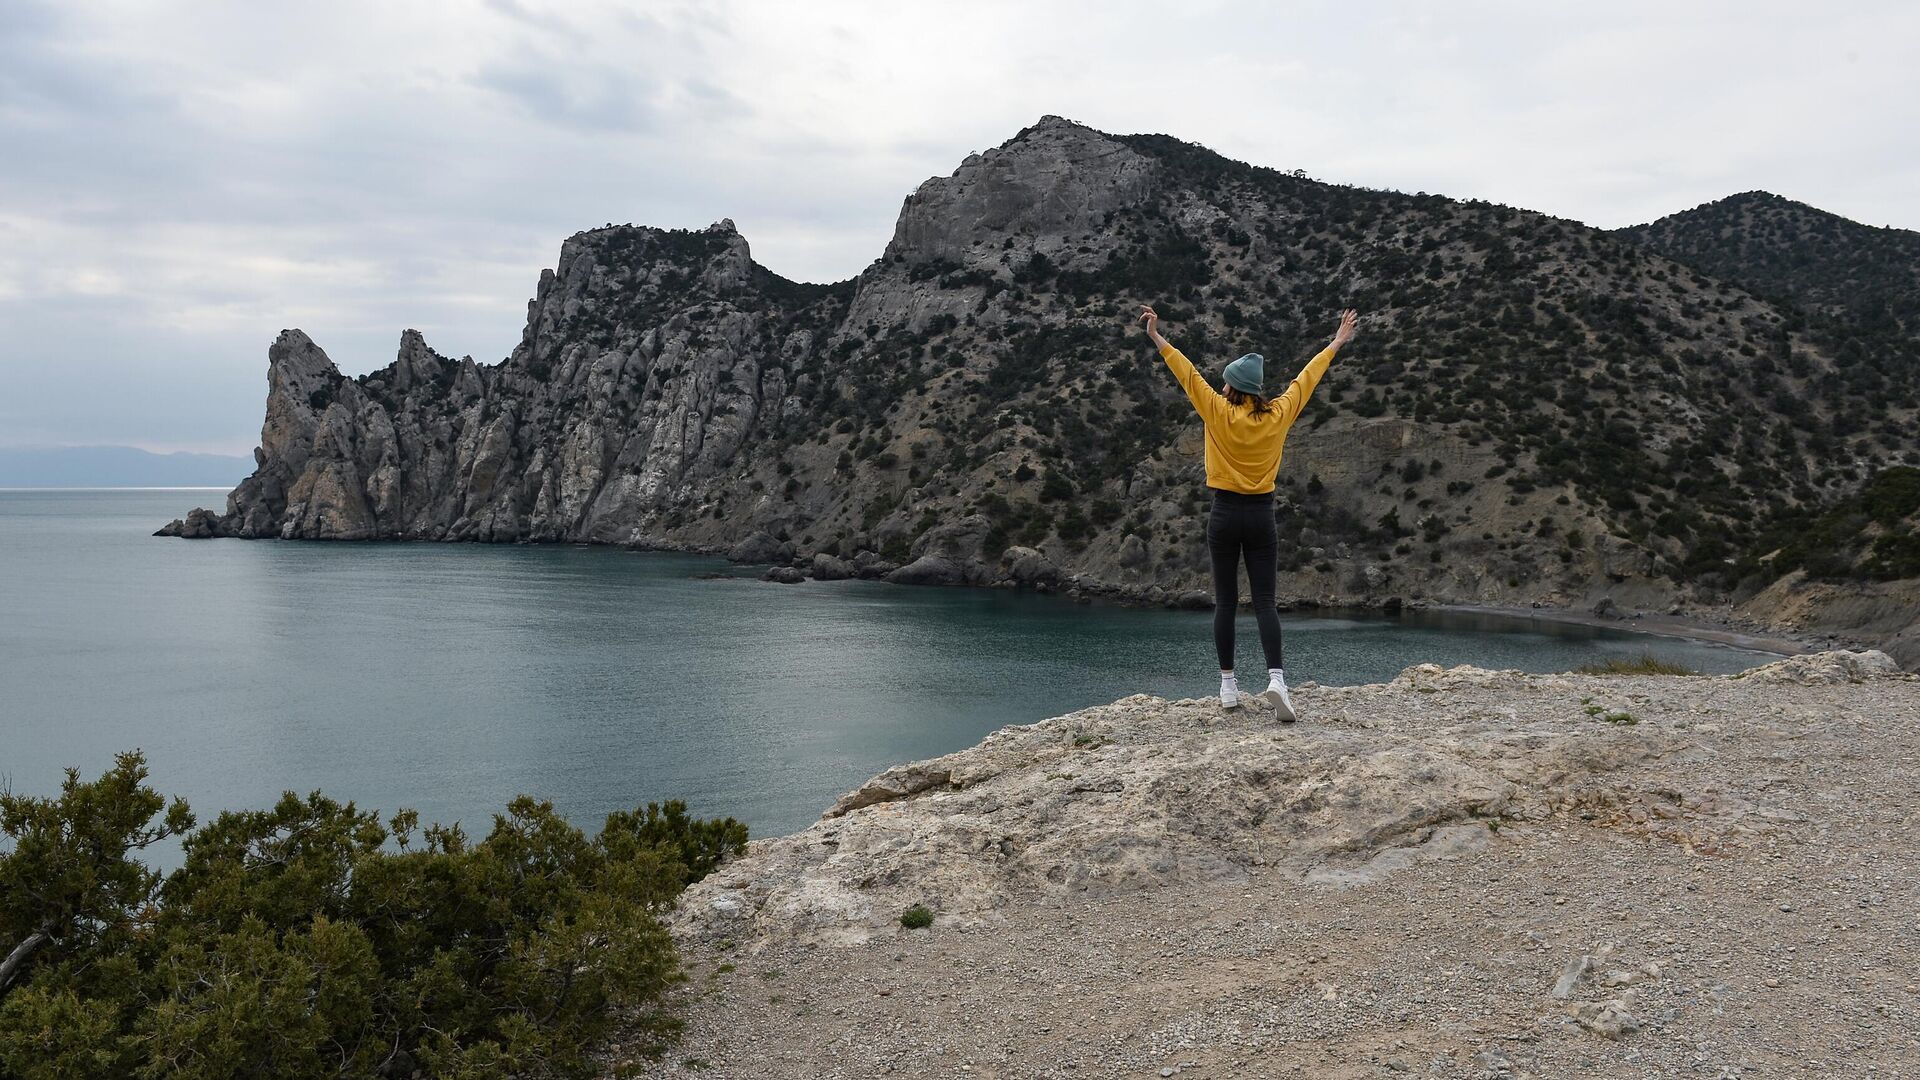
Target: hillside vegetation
[{"x": 1536, "y": 411}]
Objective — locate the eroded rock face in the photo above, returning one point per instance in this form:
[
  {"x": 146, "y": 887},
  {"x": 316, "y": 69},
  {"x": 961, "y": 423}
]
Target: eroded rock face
[{"x": 643, "y": 371}]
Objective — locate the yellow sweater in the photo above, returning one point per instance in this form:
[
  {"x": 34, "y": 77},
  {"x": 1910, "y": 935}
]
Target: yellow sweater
[{"x": 1243, "y": 449}]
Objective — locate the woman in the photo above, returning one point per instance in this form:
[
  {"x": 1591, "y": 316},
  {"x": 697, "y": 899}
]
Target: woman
[{"x": 1244, "y": 433}]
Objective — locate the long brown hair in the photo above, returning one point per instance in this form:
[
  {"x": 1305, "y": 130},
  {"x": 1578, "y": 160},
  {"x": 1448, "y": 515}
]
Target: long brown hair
[{"x": 1262, "y": 404}]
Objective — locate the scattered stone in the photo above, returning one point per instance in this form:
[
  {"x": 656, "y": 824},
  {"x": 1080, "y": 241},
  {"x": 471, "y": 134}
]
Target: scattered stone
[
  {"x": 1570, "y": 978},
  {"x": 1608, "y": 1019}
]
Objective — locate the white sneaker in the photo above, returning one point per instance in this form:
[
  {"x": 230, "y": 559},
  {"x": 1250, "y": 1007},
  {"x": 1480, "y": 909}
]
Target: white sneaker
[
  {"x": 1276, "y": 695},
  {"x": 1229, "y": 694}
]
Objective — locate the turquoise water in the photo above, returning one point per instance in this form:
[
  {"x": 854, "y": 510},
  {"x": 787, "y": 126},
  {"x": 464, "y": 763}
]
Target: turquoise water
[{"x": 447, "y": 678}]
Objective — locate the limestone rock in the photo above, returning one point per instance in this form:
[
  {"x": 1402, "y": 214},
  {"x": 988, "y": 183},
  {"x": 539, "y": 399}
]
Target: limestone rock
[
  {"x": 829, "y": 568},
  {"x": 876, "y": 569},
  {"x": 784, "y": 575},
  {"x": 1608, "y": 1019},
  {"x": 760, "y": 547},
  {"x": 199, "y": 524},
  {"x": 1028, "y": 566},
  {"x": 958, "y": 540},
  {"x": 929, "y": 570},
  {"x": 1145, "y": 791},
  {"x": 1827, "y": 667},
  {"x": 896, "y": 783}
]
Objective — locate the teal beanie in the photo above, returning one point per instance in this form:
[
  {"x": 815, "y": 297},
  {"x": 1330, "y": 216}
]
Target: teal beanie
[{"x": 1247, "y": 374}]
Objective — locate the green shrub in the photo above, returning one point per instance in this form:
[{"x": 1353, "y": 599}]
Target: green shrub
[
  {"x": 1644, "y": 664},
  {"x": 1055, "y": 487},
  {"x": 298, "y": 942},
  {"x": 917, "y": 917}
]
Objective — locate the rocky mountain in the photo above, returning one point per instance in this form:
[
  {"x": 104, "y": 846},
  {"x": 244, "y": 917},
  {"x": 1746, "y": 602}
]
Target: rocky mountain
[
  {"x": 1823, "y": 263},
  {"x": 1849, "y": 564},
  {"x": 1536, "y": 411}
]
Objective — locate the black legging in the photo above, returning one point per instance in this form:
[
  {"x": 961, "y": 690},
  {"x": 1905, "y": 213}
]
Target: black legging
[{"x": 1243, "y": 524}]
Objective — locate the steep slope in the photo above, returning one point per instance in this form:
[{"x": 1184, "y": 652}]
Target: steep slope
[
  {"x": 1788, "y": 250},
  {"x": 1851, "y": 561},
  {"x": 1535, "y": 411}
]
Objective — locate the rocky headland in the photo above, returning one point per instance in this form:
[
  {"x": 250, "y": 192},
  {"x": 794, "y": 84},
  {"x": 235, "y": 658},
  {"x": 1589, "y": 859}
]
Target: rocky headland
[
  {"x": 1456, "y": 873},
  {"x": 1688, "y": 418}
]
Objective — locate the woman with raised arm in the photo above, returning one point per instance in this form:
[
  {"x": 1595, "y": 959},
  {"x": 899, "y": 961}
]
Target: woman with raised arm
[{"x": 1244, "y": 433}]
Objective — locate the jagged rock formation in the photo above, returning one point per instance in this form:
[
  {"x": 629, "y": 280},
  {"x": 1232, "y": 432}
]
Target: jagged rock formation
[
  {"x": 1145, "y": 792},
  {"x": 1537, "y": 411}
]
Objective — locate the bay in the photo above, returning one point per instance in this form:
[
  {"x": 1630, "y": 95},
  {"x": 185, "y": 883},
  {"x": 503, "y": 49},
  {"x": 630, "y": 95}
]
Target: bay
[{"x": 448, "y": 678}]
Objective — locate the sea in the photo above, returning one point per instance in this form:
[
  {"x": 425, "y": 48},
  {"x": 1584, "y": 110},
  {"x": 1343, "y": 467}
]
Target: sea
[{"x": 448, "y": 678}]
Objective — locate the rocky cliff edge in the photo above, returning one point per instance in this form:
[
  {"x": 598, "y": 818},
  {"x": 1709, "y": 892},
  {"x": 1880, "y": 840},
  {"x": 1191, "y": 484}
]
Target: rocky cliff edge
[{"x": 1147, "y": 792}]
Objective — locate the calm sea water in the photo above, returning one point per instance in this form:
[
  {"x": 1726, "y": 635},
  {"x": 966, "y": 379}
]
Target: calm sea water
[{"x": 447, "y": 678}]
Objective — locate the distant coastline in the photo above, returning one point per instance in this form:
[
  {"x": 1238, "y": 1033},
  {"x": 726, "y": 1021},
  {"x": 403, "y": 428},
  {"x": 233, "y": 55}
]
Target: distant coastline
[{"x": 100, "y": 467}]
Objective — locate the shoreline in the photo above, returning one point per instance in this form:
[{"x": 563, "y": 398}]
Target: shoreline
[
  {"x": 1668, "y": 626},
  {"x": 1080, "y": 588}
]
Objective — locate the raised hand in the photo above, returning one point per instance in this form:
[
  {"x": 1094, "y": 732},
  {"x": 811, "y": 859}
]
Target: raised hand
[
  {"x": 1349, "y": 324},
  {"x": 1152, "y": 320}
]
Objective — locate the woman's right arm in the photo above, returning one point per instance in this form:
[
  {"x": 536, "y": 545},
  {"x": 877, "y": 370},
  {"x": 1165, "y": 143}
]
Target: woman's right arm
[{"x": 1206, "y": 400}]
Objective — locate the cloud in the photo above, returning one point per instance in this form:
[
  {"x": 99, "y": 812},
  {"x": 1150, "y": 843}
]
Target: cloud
[{"x": 181, "y": 183}]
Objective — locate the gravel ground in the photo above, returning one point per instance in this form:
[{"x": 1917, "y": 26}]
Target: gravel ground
[{"x": 1754, "y": 911}]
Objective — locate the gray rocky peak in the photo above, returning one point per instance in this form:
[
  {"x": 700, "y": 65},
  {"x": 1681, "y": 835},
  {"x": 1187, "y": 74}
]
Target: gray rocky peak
[
  {"x": 1051, "y": 188},
  {"x": 418, "y": 365}
]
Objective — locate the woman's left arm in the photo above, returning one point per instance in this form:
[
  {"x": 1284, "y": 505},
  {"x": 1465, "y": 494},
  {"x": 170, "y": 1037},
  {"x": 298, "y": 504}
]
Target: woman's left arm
[{"x": 1294, "y": 400}]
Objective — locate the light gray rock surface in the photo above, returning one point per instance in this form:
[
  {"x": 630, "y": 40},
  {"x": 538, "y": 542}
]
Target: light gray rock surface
[
  {"x": 1457, "y": 873},
  {"x": 929, "y": 570},
  {"x": 1144, "y": 791},
  {"x": 826, "y": 567}
]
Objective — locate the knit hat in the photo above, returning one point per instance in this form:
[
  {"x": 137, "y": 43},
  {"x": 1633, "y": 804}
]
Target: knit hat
[{"x": 1247, "y": 373}]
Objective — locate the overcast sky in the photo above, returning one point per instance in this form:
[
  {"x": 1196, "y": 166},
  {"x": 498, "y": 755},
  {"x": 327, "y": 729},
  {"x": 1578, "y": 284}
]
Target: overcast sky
[{"x": 183, "y": 180}]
